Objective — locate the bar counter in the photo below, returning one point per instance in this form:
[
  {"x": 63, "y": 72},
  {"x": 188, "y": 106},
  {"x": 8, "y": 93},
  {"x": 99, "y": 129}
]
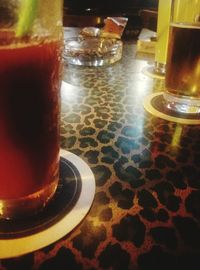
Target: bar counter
[{"x": 146, "y": 210}]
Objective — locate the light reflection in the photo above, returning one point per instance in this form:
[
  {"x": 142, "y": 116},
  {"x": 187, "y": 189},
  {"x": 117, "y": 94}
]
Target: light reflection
[
  {"x": 195, "y": 78},
  {"x": 98, "y": 20},
  {"x": 138, "y": 89},
  {"x": 69, "y": 92},
  {"x": 1, "y": 209},
  {"x": 177, "y": 136}
]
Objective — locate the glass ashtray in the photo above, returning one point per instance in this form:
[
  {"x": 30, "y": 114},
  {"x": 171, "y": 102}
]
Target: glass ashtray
[{"x": 92, "y": 51}]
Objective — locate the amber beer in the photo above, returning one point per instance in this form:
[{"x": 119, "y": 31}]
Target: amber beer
[
  {"x": 183, "y": 76},
  {"x": 183, "y": 63},
  {"x": 182, "y": 91}
]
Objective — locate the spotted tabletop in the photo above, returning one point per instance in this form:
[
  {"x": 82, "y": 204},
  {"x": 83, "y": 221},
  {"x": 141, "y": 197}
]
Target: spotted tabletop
[{"x": 146, "y": 211}]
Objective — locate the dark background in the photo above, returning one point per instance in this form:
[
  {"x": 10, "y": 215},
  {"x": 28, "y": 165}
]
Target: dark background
[
  {"x": 107, "y": 6},
  {"x": 140, "y": 14}
]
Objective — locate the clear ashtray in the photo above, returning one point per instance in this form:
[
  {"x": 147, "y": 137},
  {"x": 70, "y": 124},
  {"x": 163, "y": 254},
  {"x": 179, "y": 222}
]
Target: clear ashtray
[{"x": 92, "y": 51}]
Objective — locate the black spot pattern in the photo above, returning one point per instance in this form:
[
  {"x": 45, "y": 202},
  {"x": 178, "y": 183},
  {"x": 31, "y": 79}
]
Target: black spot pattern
[
  {"x": 87, "y": 142},
  {"x": 86, "y": 242},
  {"x": 72, "y": 118},
  {"x": 193, "y": 176},
  {"x": 164, "y": 236},
  {"x": 123, "y": 197},
  {"x": 110, "y": 155},
  {"x": 126, "y": 145},
  {"x": 162, "y": 215},
  {"x": 158, "y": 259},
  {"x": 92, "y": 156},
  {"x": 24, "y": 262},
  {"x": 128, "y": 174},
  {"x": 162, "y": 161},
  {"x": 146, "y": 199},
  {"x": 113, "y": 126},
  {"x": 99, "y": 123},
  {"x": 148, "y": 214},
  {"x": 102, "y": 174},
  {"x": 189, "y": 231},
  {"x": 105, "y": 137},
  {"x": 101, "y": 211},
  {"x": 114, "y": 257},
  {"x": 131, "y": 229},
  {"x": 130, "y": 131},
  {"x": 106, "y": 214},
  {"x": 166, "y": 196},
  {"x": 177, "y": 179},
  {"x": 87, "y": 131},
  {"x": 64, "y": 259},
  {"x": 192, "y": 204},
  {"x": 69, "y": 143},
  {"x": 153, "y": 174}
]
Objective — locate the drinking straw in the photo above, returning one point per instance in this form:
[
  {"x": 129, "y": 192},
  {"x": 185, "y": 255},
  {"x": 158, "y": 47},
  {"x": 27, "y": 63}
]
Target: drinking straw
[{"x": 27, "y": 14}]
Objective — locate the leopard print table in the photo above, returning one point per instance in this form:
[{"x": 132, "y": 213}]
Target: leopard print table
[{"x": 146, "y": 210}]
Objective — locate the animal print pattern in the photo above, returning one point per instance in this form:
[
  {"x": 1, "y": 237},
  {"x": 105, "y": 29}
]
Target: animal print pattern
[{"x": 146, "y": 210}]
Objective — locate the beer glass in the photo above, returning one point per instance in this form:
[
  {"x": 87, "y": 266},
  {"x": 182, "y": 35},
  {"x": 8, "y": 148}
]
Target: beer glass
[
  {"x": 164, "y": 9},
  {"x": 182, "y": 93},
  {"x": 30, "y": 78}
]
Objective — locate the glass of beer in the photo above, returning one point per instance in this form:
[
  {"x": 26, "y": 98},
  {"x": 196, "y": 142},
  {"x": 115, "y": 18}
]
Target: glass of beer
[
  {"x": 182, "y": 93},
  {"x": 31, "y": 43},
  {"x": 164, "y": 9}
]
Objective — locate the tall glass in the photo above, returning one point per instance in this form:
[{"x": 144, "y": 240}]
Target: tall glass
[
  {"x": 30, "y": 78},
  {"x": 164, "y": 10},
  {"x": 182, "y": 93}
]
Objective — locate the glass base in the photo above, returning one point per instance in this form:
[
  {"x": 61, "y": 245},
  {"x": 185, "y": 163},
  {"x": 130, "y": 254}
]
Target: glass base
[
  {"x": 155, "y": 104},
  {"x": 156, "y": 71},
  {"x": 28, "y": 205},
  {"x": 160, "y": 68},
  {"x": 68, "y": 207},
  {"x": 182, "y": 104}
]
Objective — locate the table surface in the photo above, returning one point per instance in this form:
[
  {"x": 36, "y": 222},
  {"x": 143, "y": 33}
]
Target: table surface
[{"x": 146, "y": 210}]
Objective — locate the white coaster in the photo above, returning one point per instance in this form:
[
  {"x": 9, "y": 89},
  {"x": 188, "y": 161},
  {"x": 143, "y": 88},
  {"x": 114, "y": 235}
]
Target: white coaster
[
  {"x": 17, "y": 246},
  {"x": 154, "y": 104}
]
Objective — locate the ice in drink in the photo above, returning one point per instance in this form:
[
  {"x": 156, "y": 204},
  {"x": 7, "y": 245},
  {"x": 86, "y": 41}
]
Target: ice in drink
[
  {"x": 183, "y": 64},
  {"x": 29, "y": 122}
]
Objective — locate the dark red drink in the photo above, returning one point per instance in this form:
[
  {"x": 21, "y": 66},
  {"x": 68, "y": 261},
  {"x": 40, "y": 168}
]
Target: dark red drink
[{"x": 29, "y": 120}]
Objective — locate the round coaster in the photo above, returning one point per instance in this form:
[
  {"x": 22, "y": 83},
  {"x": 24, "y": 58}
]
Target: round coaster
[
  {"x": 71, "y": 202},
  {"x": 150, "y": 72},
  {"x": 155, "y": 104}
]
